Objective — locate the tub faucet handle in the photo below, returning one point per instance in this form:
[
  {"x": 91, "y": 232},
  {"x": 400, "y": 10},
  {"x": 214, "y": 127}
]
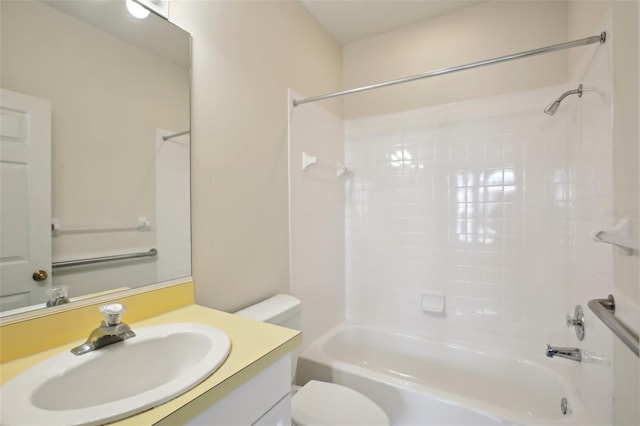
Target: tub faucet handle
[{"x": 577, "y": 321}]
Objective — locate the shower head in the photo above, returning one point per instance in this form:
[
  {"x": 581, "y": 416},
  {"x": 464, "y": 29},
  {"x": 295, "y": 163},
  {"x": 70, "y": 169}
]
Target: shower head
[{"x": 553, "y": 106}]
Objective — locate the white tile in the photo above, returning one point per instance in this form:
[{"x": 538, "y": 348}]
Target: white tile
[{"x": 483, "y": 204}]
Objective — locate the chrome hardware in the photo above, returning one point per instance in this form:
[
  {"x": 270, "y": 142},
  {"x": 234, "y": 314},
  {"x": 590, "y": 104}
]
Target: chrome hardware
[
  {"x": 57, "y": 296},
  {"x": 40, "y": 275},
  {"x": 553, "y": 106},
  {"x": 573, "y": 354},
  {"x": 564, "y": 406},
  {"x": 577, "y": 322},
  {"x": 175, "y": 135},
  {"x": 111, "y": 330},
  {"x": 600, "y": 38},
  {"x": 80, "y": 262},
  {"x": 605, "y": 310}
]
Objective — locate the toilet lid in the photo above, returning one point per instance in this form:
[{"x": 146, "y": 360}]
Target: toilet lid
[{"x": 328, "y": 404}]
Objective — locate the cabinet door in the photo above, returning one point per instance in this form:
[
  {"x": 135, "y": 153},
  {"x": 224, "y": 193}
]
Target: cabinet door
[
  {"x": 248, "y": 404},
  {"x": 280, "y": 415}
]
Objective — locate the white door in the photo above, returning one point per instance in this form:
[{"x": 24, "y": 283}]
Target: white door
[{"x": 25, "y": 199}]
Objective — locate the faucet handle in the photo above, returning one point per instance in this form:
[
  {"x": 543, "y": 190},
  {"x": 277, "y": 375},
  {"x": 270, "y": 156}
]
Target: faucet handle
[
  {"x": 577, "y": 321},
  {"x": 112, "y": 313}
]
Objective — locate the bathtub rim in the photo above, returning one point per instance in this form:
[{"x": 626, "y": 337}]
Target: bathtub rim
[{"x": 579, "y": 416}]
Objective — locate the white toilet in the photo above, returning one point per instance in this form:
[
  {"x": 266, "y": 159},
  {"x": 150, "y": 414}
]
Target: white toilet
[{"x": 316, "y": 403}]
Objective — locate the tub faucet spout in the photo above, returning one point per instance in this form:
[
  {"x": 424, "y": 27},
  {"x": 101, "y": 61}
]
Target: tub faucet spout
[
  {"x": 111, "y": 330},
  {"x": 573, "y": 354}
]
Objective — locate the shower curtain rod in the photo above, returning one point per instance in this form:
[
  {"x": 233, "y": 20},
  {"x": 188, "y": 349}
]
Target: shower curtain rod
[{"x": 582, "y": 42}]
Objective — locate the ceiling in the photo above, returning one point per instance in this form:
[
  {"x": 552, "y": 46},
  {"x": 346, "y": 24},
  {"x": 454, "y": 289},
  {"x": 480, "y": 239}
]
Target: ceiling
[{"x": 349, "y": 21}]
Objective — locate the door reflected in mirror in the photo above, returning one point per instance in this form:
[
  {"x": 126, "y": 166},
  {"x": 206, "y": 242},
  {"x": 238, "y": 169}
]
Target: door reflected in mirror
[{"x": 95, "y": 150}]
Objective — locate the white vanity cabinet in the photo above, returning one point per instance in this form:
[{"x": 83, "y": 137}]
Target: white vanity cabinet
[{"x": 262, "y": 400}]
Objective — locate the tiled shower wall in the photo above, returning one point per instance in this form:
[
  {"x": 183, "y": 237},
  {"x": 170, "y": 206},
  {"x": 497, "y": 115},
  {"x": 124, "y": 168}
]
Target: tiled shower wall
[{"x": 474, "y": 201}]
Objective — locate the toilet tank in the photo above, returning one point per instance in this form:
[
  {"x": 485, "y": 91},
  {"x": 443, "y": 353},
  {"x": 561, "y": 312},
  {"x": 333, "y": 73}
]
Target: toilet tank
[{"x": 282, "y": 309}]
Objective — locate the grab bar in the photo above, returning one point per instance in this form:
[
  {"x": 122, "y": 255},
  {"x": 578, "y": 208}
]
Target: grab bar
[
  {"x": 605, "y": 310},
  {"x": 67, "y": 263}
]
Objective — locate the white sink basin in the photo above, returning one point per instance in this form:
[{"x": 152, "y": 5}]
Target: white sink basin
[{"x": 115, "y": 381}]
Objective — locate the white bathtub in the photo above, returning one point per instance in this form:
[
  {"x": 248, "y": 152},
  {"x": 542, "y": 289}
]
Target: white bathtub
[{"x": 428, "y": 382}]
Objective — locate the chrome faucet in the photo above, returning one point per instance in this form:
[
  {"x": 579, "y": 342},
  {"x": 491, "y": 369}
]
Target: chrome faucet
[
  {"x": 111, "y": 330},
  {"x": 57, "y": 296},
  {"x": 573, "y": 354}
]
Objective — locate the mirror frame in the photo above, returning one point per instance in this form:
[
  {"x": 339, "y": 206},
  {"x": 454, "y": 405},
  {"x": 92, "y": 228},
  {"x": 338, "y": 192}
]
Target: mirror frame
[{"x": 54, "y": 310}]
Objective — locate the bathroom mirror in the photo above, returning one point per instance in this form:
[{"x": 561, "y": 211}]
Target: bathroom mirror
[{"x": 113, "y": 212}]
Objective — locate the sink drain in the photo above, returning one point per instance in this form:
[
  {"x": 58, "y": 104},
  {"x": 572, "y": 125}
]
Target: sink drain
[{"x": 564, "y": 406}]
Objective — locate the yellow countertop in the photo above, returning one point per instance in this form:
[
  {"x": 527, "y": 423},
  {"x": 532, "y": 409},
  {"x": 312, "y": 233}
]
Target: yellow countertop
[{"x": 254, "y": 346}]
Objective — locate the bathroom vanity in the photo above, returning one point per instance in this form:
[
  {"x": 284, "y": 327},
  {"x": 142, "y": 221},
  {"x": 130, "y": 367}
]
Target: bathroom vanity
[
  {"x": 263, "y": 400},
  {"x": 251, "y": 386}
]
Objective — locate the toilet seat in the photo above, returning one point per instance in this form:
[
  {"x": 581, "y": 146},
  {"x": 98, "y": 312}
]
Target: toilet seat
[{"x": 329, "y": 404}]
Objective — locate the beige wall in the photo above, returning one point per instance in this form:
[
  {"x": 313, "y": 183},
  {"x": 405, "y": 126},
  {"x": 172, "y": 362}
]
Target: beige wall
[
  {"x": 626, "y": 194},
  {"x": 588, "y": 16},
  {"x": 626, "y": 198},
  {"x": 246, "y": 54},
  {"x": 317, "y": 215},
  {"x": 481, "y": 32},
  {"x": 585, "y": 16}
]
